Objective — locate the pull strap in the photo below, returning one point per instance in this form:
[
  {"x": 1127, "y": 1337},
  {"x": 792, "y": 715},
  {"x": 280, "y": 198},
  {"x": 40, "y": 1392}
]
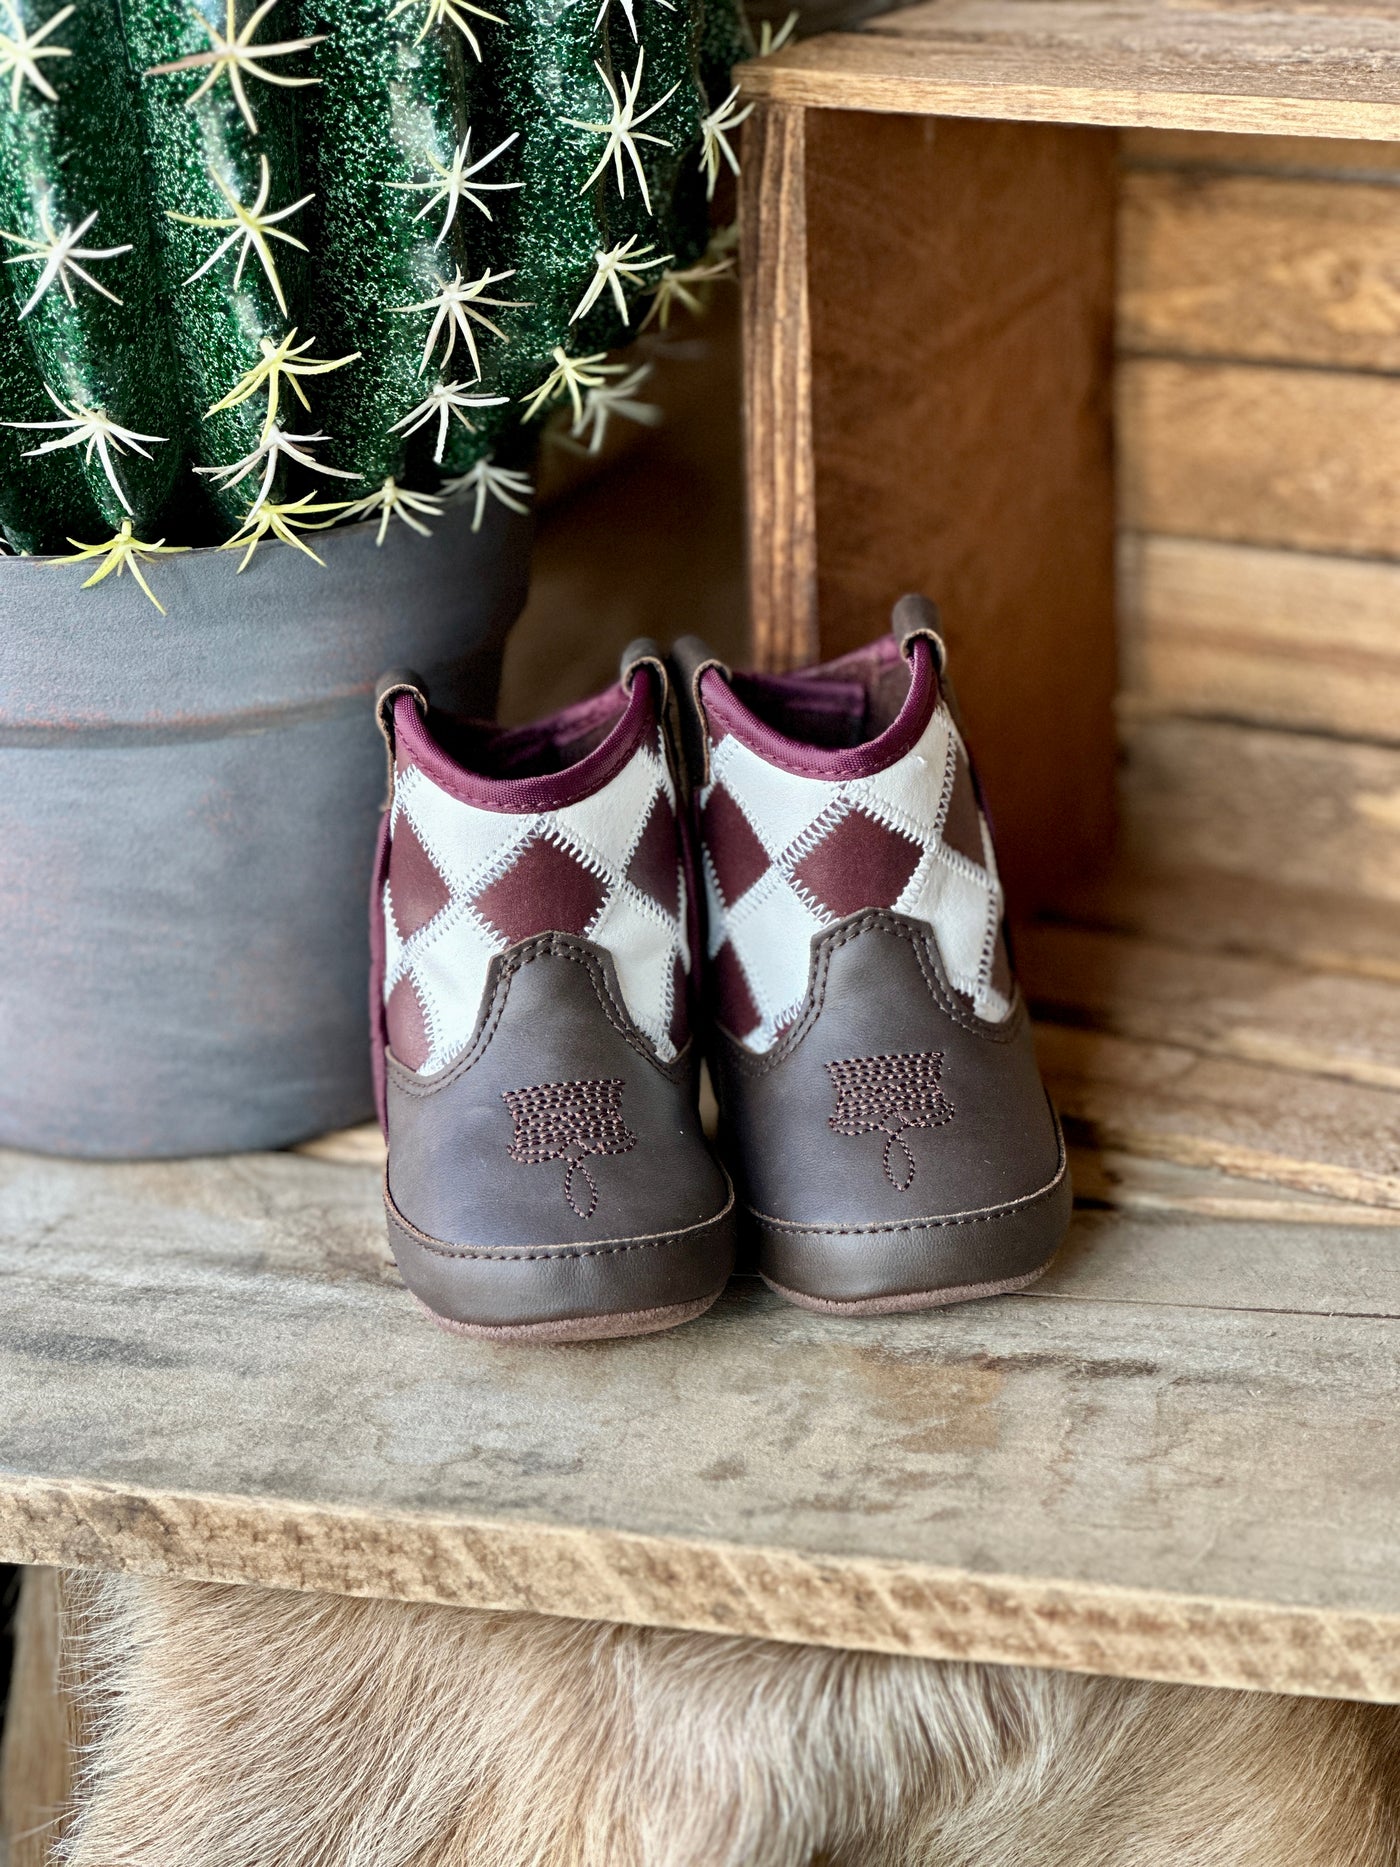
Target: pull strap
[
  {"x": 692, "y": 659},
  {"x": 644, "y": 653},
  {"x": 914, "y": 618},
  {"x": 386, "y": 691}
]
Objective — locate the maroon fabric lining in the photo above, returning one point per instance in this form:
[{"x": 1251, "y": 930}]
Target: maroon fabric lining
[
  {"x": 634, "y": 713},
  {"x": 551, "y": 744},
  {"x": 855, "y": 680}
]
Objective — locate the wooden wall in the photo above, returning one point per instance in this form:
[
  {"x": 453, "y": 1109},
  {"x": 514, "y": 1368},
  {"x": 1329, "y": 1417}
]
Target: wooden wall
[
  {"x": 1258, "y": 396},
  {"x": 934, "y": 300}
]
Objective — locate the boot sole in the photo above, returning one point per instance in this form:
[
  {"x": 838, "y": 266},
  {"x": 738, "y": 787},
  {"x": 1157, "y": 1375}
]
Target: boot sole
[
  {"x": 580, "y": 1292},
  {"x": 931, "y": 1263},
  {"x": 578, "y": 1328},
  {"x": 908, "y": 1300}
]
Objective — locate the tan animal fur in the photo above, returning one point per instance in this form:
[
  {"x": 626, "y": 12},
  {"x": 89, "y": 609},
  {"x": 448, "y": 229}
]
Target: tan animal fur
[{"x": 246, "y": 1728}]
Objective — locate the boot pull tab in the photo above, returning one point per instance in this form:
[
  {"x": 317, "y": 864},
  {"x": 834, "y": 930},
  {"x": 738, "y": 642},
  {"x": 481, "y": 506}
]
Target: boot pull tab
[
  {"x": 692, "y": 658},
  {"x": 644, "y": 653},
  {"x": 914, "y": 616},
  {"x": 916, "y": 619},
  {"x": 386, "y": 691}
]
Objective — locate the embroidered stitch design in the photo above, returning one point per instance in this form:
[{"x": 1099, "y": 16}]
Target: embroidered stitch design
[
  {"x": 569, "y": 1122},
  {"x": 888, "y": 1095}
]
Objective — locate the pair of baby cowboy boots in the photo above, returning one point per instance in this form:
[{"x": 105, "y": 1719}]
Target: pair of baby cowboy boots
[{"x": 789, "y": 876}]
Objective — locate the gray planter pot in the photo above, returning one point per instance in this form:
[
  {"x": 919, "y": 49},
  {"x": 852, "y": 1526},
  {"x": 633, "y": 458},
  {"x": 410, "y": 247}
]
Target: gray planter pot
[{"x": 188, "y": 808}]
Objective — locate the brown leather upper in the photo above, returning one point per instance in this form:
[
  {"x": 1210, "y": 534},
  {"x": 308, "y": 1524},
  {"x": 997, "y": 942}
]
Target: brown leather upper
[
  {"x": 558, "y": 1125},
  {"x": 888, "y": 1101}
]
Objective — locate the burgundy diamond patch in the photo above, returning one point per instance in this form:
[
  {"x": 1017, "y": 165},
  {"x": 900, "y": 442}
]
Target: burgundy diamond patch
[
  {"x": 962, "y": 825},
  {"x": 408, "y": 1034},
  {"x": 655, "y": 864},
  {"x": 859, "y": 864},
  {"x": 738, "y": 856},
  {"x": 733, "y": 999},
  {"x": 545, "y": 890},
  {"x": 416, "y": 890}
]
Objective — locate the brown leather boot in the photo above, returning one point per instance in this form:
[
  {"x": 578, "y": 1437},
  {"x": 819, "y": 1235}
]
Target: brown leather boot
[
  {"x": 547, "y": 1175},
  {"x": 882, "y": 1111}
]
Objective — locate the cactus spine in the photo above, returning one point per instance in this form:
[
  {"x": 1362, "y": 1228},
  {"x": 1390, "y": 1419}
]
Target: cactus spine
[
  {"x": 80, "y": 257},
  {"x": 272, "y": 264}
]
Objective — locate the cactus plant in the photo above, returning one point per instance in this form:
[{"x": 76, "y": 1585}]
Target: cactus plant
[{"x": 272, "y": 267}]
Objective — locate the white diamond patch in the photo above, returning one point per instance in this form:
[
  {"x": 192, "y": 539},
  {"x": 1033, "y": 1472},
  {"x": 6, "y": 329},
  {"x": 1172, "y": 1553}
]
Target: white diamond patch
[
  {"x": 770, "y": 927},
  {"x": 473, "y": 849}
]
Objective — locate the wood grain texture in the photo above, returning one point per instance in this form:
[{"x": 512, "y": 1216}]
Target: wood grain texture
[
  {"x": 961, "y": 428},
  {"x": 1339, "y": 157},
  {"x": 1317, "y": 72},
  {"x": 1246, "y": 1264},
  {"x": 1213, "y": 911},
  {"x": 1282, "y": 638},
  {"x": 41, "y": 1729},
  {"x": 1259, "y": 1010},
  {"x": 1138, "y": 1184},
  {"x": 1262, "y": 268},
  {"x": 1292, "y": 808},
  {"x": 206, "y": 1369},
  {"x": 1260, "y": 455},
  {"x": 1162, "y": 1100},
  {"x": 778, "y": 390}
]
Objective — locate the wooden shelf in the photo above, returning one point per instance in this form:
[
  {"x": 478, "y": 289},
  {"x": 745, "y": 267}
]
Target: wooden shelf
[
  {"x": 1171, "y": 1459},
  {"x": 1320, "y": 71}
]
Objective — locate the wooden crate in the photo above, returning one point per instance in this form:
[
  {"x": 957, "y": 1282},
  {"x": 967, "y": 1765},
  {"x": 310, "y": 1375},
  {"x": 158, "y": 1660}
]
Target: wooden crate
[
  {"x": 1038, "y": 285},
  {"x": 959, "y": 263},
  {"x": 1085, "y": 318},
  {"x": 1173, "y": 1458}
]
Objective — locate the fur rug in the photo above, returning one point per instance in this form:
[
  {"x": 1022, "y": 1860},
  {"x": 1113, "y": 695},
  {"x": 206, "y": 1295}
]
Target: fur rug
[{"x": 237, "y": 1727}]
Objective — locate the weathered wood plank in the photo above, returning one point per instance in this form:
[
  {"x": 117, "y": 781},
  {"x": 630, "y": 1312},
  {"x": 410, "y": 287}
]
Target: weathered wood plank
[
  {"x": 1253, "y": 1264},
  {"x": 778, "y": 389},
  {"x": 206, "y": 1370},
  {"x": 1290, "y": 808},
  {"x": 1314, "y": 1133},
  {"x": 1279, "y": 637},
  {"x": 1086, "y": 61},
  {"x": 1213, "y": 911},
  {"x": 1266, "y": 269},
  {"x": 1262, "y": 1011},
  {"x": 38, "y": 1750},
  {"x": 985, "y": 307},
  {"x": 1337, "y": 157},
  {"x": 1260, "y": 455},
  {"x": 1134, "y": 1183}
]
